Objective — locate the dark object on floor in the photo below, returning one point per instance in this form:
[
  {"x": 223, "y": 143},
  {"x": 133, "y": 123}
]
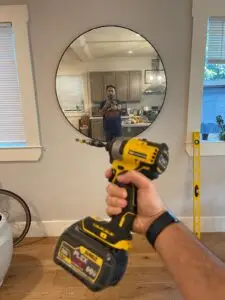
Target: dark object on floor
[{"x": 17, "y": 213}]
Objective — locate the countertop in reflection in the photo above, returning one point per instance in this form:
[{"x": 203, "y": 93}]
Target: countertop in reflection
[
  {"x": 96, "y": 118},
  {"x": 135, "y": 125},
  {"x": 124, "y": 124}
]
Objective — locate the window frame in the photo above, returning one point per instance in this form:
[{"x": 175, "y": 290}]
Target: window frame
[
  {"x": 17, "y": 15},
  {"x": 201, "y": 11}
]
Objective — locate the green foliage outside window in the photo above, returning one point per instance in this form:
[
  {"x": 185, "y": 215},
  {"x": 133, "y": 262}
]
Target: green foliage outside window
[
  {"x": 221, "y": 125},
  {"x": 214, "y": 71}
]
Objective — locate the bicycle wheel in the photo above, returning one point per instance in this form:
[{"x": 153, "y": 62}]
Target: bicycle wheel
[{"x": 17, "y": 213}]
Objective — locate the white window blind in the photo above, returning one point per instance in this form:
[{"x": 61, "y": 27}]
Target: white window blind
[
  {"x": 70, "y": 92},
  {"x": 12, "y": 131},
  {"x": 215, "y": 53}
]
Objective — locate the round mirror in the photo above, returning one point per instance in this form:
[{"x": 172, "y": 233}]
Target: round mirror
[{"x": 110, "y": 82}]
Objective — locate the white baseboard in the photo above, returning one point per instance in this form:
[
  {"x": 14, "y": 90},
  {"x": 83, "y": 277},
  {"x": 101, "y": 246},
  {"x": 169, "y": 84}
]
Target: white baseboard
[
  {"x": 56, "y": 227},
  {"x": 48, "y": 228}
]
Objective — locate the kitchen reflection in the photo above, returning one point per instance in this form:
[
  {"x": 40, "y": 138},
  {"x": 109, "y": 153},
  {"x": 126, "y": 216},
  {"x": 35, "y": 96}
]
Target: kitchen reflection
[{"x": 110, "y": 82}]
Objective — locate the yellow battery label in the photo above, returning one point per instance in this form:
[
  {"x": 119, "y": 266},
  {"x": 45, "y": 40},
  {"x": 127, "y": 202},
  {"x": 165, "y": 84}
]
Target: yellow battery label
[
  {"x": 93, "y": 257},
  {"x": 80, "y": 260}
]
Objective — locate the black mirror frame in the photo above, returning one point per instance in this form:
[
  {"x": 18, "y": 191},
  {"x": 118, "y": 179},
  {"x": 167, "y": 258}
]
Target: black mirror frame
[{"x": 102, "y": 26}]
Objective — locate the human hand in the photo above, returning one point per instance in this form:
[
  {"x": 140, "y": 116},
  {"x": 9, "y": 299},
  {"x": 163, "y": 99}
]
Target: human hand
[
  {"x": 150, "y": 206},
  {"x": 107, "y": 105},
  {"x": 115, "y": 105}
]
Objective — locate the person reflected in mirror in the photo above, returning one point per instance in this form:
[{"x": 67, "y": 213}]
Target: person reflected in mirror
[{"x": 110, "y": 109}]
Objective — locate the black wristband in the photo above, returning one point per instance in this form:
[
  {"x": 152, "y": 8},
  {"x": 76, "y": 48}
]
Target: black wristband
[{"x": 159, "y": 225}]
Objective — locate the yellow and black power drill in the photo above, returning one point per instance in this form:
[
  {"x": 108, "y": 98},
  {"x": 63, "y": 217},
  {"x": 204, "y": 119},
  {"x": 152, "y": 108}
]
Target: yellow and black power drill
[{"x": 94, "y": 250}]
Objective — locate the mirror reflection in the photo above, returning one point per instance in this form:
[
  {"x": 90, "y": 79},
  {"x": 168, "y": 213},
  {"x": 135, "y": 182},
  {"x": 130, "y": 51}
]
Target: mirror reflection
[{"x": 110, "y": 82}]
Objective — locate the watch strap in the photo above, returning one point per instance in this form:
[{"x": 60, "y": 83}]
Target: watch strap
[{"x": 163, "y": 221}]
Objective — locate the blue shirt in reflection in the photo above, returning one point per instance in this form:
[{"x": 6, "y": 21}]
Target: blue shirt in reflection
[{"x": 112, "y": 119}]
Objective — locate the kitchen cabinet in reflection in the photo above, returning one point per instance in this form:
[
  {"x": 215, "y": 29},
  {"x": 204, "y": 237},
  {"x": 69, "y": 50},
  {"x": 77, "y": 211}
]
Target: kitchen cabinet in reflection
[
  {"x": 97, "y": 131},
  {"x": 132, "y": 130},
  {"x": 128, "y": 85}
]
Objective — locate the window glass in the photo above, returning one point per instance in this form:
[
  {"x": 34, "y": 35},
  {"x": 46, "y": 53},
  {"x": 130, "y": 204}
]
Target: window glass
[{"x": 213, "y": 108}]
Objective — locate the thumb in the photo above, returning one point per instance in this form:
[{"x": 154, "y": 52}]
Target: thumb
[{"x": 135, "y": 177}]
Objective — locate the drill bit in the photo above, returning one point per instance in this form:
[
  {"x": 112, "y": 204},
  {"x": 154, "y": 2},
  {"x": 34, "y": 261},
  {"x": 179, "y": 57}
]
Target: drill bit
[{"x": 94, "y": 143}]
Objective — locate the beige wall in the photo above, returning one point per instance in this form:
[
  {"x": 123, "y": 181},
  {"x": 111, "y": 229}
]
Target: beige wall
[{"x": 68, "y": 182}]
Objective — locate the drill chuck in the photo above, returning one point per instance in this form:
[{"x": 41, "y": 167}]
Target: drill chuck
[
  {"x": 114, "y": 147},
  {"x": 94, "y": 143}
]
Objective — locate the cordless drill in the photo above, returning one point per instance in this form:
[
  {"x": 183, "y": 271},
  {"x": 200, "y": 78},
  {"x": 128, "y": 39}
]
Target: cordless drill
[{"x": 93, "y": 250}]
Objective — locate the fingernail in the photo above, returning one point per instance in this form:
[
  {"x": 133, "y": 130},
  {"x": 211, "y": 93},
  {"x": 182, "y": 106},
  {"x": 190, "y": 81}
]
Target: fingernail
[
  {"x": 124, "y": 203},
  {"x": 124, "y": 194}
]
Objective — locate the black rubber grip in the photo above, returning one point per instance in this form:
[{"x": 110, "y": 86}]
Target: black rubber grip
[{"x": 125, "y": 220}]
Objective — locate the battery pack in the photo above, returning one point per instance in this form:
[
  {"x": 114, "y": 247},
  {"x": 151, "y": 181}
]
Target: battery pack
[{"x": 96, "y": 265}]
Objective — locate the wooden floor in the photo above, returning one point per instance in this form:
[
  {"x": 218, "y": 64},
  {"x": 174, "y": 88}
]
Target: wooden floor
[{"x": 33, "y": 275}]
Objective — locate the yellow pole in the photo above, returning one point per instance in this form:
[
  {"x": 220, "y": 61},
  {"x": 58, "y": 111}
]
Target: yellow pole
[{"x": 196, "y": 184}]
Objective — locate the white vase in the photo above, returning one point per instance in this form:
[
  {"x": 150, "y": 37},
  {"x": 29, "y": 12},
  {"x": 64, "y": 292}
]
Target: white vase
[{"x": 6, "y": 247}]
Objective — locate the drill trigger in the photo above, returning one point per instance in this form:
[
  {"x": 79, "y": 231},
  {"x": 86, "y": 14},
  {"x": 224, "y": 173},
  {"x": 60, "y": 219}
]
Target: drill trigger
[{"x": 112, "y": 176}]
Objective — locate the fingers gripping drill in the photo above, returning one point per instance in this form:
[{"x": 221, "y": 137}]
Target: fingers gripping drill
[{"x": 94, "y": 250}]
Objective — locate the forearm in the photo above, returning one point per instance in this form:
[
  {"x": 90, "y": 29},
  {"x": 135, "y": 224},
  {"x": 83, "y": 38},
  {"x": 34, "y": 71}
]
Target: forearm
[
  {"x": 102, "y": 112},
  {"x": 104, "y": 107},
  {"x": 197, "y": 272}
]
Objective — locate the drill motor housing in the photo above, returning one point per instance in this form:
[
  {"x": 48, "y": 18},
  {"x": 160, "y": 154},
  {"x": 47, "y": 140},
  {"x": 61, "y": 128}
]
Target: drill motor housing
[{"x": 94, "y": 250}]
